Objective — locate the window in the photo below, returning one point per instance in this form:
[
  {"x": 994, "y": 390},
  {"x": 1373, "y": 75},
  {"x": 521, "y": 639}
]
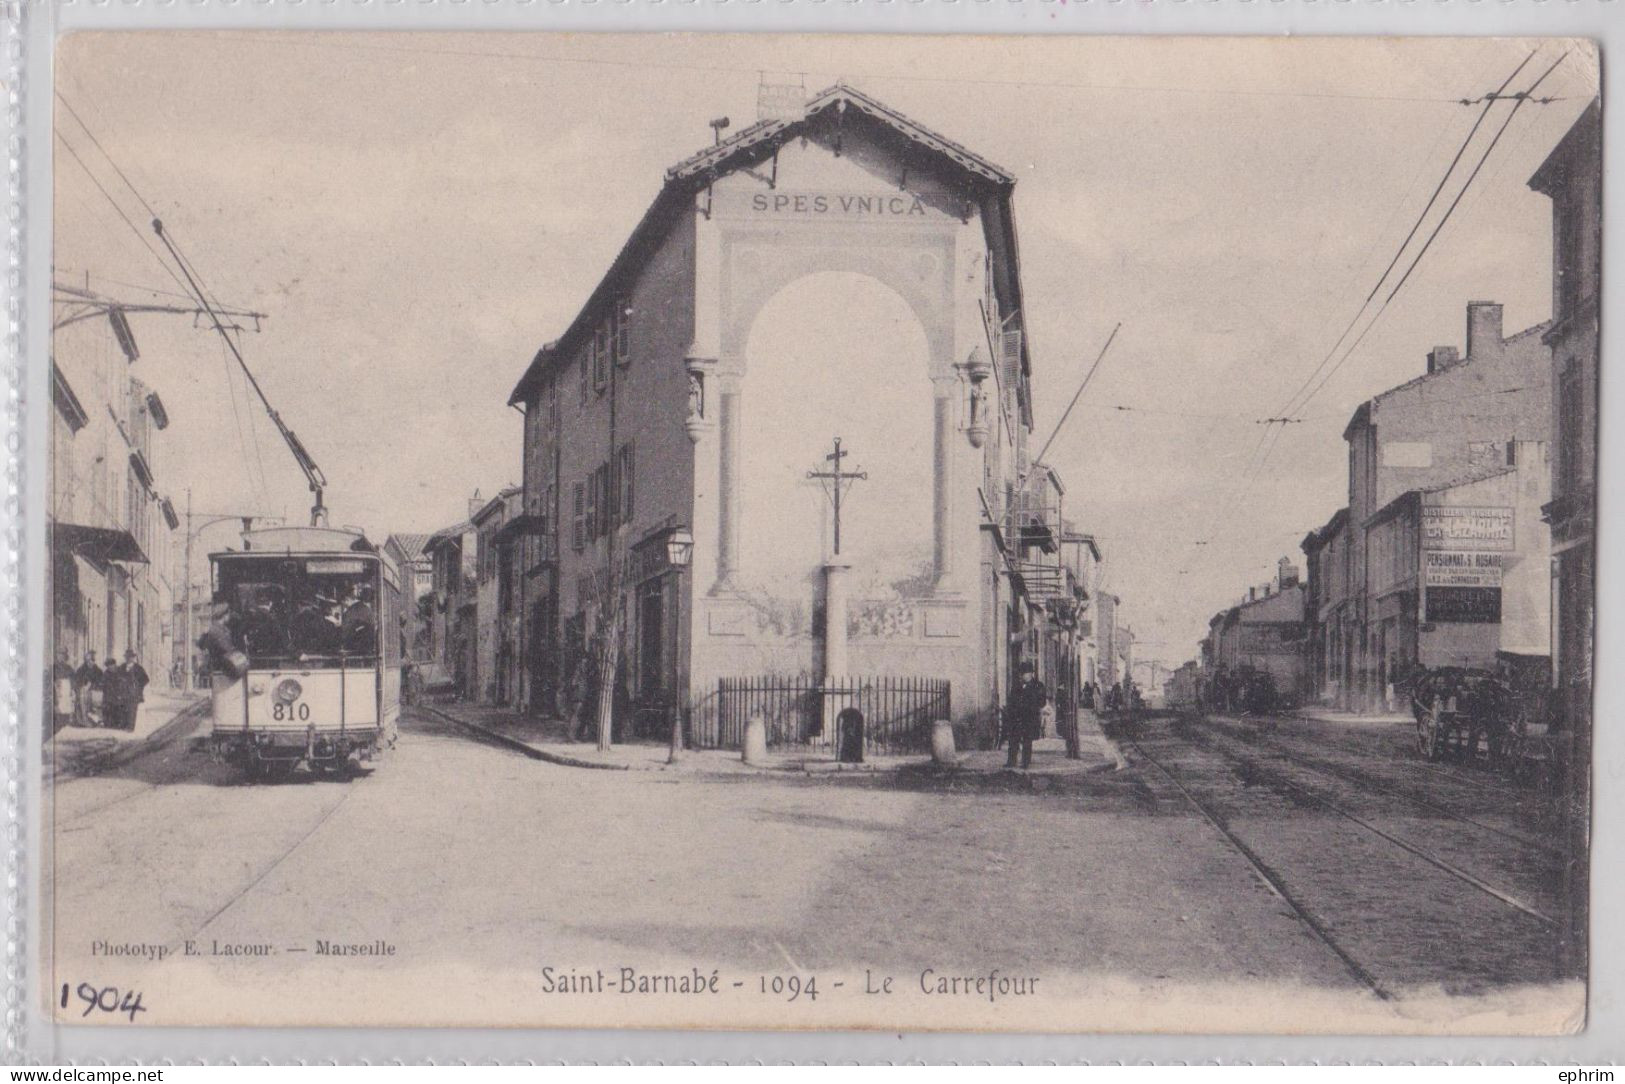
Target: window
[
  {"x": 1570, "y": 421},
  {"x": 1571, "y": 284},
  {"x": 623, "y": 331},
  {"x": 605, "y": 521},
  {"x": 600, "y": 357},
  {"x": 584, "y": 375},
  {"x": 595, "y": 482},
  {"x": 578, "y": 521},
  {"x": 623, "y": 472}
]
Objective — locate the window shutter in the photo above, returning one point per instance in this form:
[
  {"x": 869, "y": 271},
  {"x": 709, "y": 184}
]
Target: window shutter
[
  {"x": 600, "y": 357},
  {"x": 1010, "y": 358},
  {"x": 578, "y": 523},
  {"x": 582, "y": 366},
  {"x": 594, "y": 481},
  {"x": 627, "y": 459},
  {"x": 623, "y": 331}
]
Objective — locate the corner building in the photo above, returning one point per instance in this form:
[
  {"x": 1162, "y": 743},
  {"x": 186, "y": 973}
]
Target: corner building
[
  {"x": 842, "y": 272},
  {"x": 1460, "y": 420}
]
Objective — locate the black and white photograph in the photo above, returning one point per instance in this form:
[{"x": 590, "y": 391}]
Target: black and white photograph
[{"x": 584, "y": 530}]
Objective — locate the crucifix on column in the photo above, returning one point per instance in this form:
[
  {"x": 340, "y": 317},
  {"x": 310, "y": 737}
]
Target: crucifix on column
[{"x": 836, "y": 477}]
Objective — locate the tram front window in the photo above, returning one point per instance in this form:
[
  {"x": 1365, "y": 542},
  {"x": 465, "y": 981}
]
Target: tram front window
[{"x": 313, "y": 610}]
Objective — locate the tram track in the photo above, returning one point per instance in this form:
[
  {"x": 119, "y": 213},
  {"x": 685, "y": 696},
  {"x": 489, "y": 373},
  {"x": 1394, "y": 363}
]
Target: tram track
[
  {"x": 1472, "y": 780},
  {"x": 1260, "y": 771},
  {"x": 1364, "y": 888},
  {"x": 1380, "y": 784},
  {"x": 1271, "y": 877}
]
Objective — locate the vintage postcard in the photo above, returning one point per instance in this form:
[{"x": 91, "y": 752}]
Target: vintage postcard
[{"x": 614, "y": 531}]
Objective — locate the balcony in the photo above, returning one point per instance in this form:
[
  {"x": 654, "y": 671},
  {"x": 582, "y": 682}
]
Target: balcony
[{"x": 1035, "y": 519}]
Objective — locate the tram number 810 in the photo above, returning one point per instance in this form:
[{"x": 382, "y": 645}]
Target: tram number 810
[{"x": 281, "y": 712}]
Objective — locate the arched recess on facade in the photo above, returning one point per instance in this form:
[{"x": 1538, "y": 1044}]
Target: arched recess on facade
[
  {"x": 915, "y": 265},
  {"x": 837, "y": 354}
]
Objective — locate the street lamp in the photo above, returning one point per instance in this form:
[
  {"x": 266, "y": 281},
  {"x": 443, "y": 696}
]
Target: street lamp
[
  {"x": 679, "y": 555},
  {"x": 680, "y": 548}
]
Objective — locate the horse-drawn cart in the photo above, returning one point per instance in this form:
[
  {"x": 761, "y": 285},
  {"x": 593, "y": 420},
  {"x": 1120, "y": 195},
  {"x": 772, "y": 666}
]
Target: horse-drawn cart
[{"x": 1461, "y": 712}]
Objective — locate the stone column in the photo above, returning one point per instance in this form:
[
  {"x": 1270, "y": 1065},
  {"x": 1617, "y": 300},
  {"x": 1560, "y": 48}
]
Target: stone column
[
  {"x": 835, "y": 620},
  {"x": 942, "y": 545},
  {"x": 727, "y": 487},
  {"x": 835, "y": 673}
]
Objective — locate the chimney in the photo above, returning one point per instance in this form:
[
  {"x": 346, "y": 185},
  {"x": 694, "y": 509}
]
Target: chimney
[
  {"x": 1286, "y": 574},
  {"x": 1441, "y": 358},
  {"x": 475, "y": 503},
  {"x": 1483, "y": 327}
]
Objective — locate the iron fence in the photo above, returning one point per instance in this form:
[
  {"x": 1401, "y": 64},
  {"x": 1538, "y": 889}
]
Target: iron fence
[{"x": 801, "y": 712}]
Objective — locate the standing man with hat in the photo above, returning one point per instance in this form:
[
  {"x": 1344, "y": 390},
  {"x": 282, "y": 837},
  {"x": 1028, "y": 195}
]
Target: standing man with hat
[
  {"x": 135, "y": 692},
  {"x": 1026, "y": 710},
  {"x": 86, "y": 680},
  {"x": 116, "y": 694}
]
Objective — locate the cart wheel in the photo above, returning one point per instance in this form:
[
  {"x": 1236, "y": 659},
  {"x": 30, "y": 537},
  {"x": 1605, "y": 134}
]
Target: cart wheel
[{"x": 1429, "y": 728}]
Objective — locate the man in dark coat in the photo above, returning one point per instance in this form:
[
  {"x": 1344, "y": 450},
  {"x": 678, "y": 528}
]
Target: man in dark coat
[
  {"x": 135, "y": 677},
  {"x": 1025, "y": 710},
  {"x": 85, "y": 679},
  {"x": 118, "y": 695}
]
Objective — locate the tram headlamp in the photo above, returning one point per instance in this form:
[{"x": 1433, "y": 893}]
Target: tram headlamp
[{"x": 287, "y": 691}]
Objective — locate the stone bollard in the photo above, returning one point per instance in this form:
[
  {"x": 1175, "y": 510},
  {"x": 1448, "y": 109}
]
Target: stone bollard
[
  {"x": 755, "y": 751},
  {"x": 942, "y": 742}
]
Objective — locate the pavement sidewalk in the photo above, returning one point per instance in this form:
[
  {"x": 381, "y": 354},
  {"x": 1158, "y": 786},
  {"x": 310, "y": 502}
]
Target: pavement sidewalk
[
  {"x": 1319, "y": 714},
  {"x": 546, "y": 739},
  {"x": 86, "y": 749}
]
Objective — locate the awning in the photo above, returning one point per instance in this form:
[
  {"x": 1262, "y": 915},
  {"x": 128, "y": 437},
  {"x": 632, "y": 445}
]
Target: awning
[{"x": 98, "y": 543}]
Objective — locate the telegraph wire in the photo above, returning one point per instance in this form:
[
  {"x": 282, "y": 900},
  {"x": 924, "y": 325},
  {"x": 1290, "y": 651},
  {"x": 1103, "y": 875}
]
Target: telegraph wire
[
  {"x": 1399, "y": 252},
  {"x": 202, "y": 294},
  {"x": 98, "y": 143},
  {"x": 1302, "y": 398},
  {"x": 1436, "y": 229},
  {"x": 116, "y": 206},
  {"x": 879, "y": 76},
  {"x": 61, "y": 270},
  {"x": 237, "y": 421}
]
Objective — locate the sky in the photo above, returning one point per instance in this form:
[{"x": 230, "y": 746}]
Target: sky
[{"x": 416, "y": 213}]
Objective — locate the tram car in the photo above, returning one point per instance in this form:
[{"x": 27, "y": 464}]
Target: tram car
[{"x": 305, "y": 651}]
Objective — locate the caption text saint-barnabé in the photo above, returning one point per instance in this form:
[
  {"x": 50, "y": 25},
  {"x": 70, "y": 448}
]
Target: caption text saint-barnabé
[{"x": 991, "y": 984}]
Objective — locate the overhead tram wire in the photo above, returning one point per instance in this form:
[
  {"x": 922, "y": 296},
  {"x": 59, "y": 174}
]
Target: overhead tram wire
[
  {"x": 1521, "y": 98},
  {"x": 118, "y": 207},
  {"x": 1090, "y": 375},
  {"x": 1265, "y": 445},
  {"x": 1489, "y": 103},
  {"x": 1301, "y": 398}
]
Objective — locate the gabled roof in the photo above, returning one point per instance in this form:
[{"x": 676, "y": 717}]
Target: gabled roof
[
  {"x": 765, "y": 136},
  {"x": 447, "y": 534},
  {"x": 1582, "y": 140},
  {"x": 1318, "y": 538},
  {"x": 837, "y": 105},
  {"x": 410, "y": 545}
]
